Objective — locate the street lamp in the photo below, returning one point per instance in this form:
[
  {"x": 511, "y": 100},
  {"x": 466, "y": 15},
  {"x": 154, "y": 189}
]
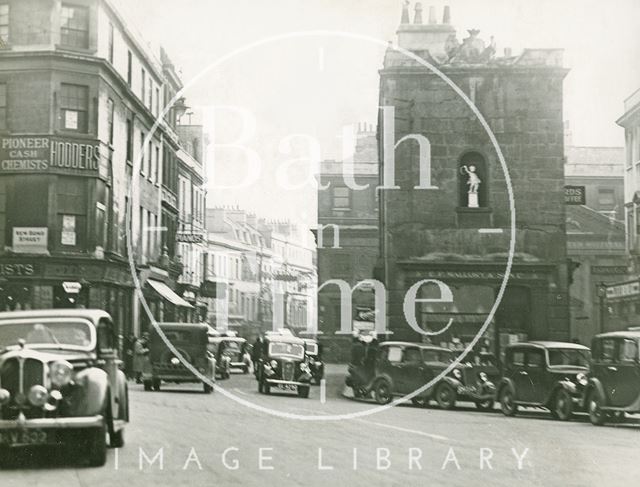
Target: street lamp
[{"x": 602, "y": 293}]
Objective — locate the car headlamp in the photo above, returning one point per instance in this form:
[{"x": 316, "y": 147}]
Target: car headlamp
[
  {"x": 273, "y": 364},
  {"x": 581, "y": 379},
  {"x": 457, "y": 374},
  {"x": 38, "y": 395},
  {"x": 5, "y": 396},
  {"x": 60, "y": 373},
  {"x": 304, "y": 367},
  {"x": 175, "y": 361},
  {"x": 483, "y": 376}
]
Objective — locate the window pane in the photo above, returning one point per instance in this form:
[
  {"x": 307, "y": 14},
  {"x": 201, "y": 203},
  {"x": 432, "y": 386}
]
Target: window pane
[{"x": 74, "y": 26}]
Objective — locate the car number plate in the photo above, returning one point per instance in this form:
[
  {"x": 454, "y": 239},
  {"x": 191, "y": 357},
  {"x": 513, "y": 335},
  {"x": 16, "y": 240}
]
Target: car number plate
[
  {"x": 23, "y": 437},
  {"x": 287, "y": 387}
]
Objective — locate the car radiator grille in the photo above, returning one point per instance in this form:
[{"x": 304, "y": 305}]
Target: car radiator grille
[
  {"x": 32, "y": 374},
  {"x": 288, "y": 370}
]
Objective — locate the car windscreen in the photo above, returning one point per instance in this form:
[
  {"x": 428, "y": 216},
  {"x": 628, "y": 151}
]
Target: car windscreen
[
  {"x": 568, "y": 357},
  {"x": 437, "y": 356},
  {"x": 47, "y": 334},
  {"x": 284, "y": 348}
]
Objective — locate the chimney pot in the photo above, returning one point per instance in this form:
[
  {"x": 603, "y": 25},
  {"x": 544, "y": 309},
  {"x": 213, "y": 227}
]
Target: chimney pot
[
  {"x": 446, "y": 16},
  {"x": 432, "y": 15},
  {"x": 417, "y": 18},
  {"x": 405, "y": 13}
]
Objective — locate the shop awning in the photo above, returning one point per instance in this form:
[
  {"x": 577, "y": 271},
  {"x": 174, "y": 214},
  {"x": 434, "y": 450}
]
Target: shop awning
[{"x": 167, "y": 293}]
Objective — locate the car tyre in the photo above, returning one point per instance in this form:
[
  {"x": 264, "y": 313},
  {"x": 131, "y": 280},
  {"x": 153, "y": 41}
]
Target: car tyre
[
  {"x": 207, "y": 388},
  {"x": 383, "y": 392},
  {"x": 156, "y": 384},
  {"x": 147, "y": 385},
  {"x": 507, "y": 402},
  {"x": 303, "y": 391},
  {"x": 486, "y": 405},
  {"x": 594, "y": 405},
  {"x": 97, "y": 446},
  {"x": 445, "y": 396},
  {"x": 562, "y": 407},
  {"x": 420, "y": 402}
]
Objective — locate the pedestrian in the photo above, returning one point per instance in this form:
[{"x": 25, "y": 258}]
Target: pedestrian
[
  {"x": 129, "y": 344},
  {"x": 256, "y": 352},
  {"x": 140, "y": 352}
]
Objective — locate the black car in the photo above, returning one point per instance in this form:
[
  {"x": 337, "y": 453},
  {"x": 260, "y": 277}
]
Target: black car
[
  {"x": 403, "y": 367},
  {"x": 313, "y": 350},
  {"x": 551, "y": 375},
  {"x": 283, "y": 365},
  {"x": 614, "y": 379}
]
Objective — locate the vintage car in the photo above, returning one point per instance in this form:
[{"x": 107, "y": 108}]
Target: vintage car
[
  {"x": 614, "y": 379},
  {"x": 230, "y": 353},
  {"x": 191, "y": 342},
  {"x": 551, "y": 375},
  {"x": 401, "y": 368},
  {"x": 60, "y": 382},
  {"x": 283, "y": 364},
  {"x": 313, "y": 351}
]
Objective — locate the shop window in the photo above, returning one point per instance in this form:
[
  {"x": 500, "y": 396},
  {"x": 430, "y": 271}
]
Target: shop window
[
  {"x": 72, "y": 211},
  {"x": 3, "y": 106},
  {"x": 26, "y": 200},
  {"x": 472, "y": 181},
  {"x": 74, "y": 26},
  {"x": 4, "y": 24},
  {"x": 74, "y": 107}
]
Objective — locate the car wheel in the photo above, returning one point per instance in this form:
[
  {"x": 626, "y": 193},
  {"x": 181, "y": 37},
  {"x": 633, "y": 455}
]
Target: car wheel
[
  {"x": 116, "y": 439},
  {"x": 147, "y": 385},
  {"x": 358, "y": 393},
  {"x": 303, "y": 391},
  {"x": 156, "y": 384},
  {"x": 207, "y": 388},
  {"x": 562, "y": 406},
  {"x": 445, "y": 396},
  {"x": 266, "y": 387},
  {"x": 507, "y": 402},
  {"x": 97, "y": 446},
  {"x": 382, "y": 392},
  {"x": 485, "y": 405},
  {"x": 596, "y": 414}
]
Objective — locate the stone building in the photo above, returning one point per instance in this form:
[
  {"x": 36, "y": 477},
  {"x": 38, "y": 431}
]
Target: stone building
[
  {"x": 347, "y": 239},
  {"x": 459, "y": 232},
  {"x": 79, "y": 93}
]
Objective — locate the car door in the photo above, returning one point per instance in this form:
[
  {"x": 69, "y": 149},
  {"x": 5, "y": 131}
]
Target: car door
[
  {"x": 535, "y": 389},
  {"x": 412, "y": 370},
  {"x": 606, "y": 367},
  {"x": 392, "y": 365},
  {"x": 627, "y": 376},
  {"x": 516, "y": 371},
  {"x": 108, "y": 356}
]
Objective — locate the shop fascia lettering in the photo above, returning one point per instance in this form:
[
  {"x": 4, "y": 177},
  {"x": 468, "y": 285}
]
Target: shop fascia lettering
[
  {"x": 42, "y": 153},
  {"x": 8, "y": 270}
]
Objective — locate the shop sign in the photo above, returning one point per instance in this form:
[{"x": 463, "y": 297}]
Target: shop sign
[
  {"x": 68, "y": 235},
  {"x": 71, "y": 287},
  {"x": 481, "y": 275},
  {"x": 608, "y": 269},
  {"x": 31, "y": 240},
  {"x": 575, "y": 195},
  {"x": 184, "y": 237},
  {"x": 623, "y": 290},
  {"x": 36, "y": 154},
  {"x": 17, "y": 270}
]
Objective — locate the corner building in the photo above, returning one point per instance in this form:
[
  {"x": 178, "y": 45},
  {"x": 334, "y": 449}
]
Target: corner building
[
  {"x": 79, "y": 93},
  {"x": 459, "y": 234}
]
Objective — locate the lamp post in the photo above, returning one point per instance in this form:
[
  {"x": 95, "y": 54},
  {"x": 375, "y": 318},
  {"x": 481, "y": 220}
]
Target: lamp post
[{"x": 602, "y": 292}]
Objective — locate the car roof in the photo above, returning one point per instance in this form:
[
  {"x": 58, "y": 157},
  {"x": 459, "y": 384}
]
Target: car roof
[
  {"x": 284, "y": 338},
  {"x": 549, "y": 344},
  {"x": 93, "y": 315},
  {"x": 423, "y": 346},
  {"x": 621, "y": 334},
  {"x": 226, "y": 339},
  {"x": 181, "y": 326}
]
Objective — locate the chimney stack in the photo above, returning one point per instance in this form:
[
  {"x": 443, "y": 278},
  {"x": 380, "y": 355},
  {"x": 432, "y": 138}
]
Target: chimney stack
[
  {"x": 417, "y": 18},
  {"x": 405, "y": 13},
  {"x": 446, "y": 16},
  {"x": 432, "y": 15}
]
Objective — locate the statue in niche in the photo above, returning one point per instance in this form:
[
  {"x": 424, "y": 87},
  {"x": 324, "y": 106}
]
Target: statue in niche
[{"x": 473, "y": 181}]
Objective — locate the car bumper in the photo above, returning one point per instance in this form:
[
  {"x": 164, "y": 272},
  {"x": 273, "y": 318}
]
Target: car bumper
[
  {"x": 286, "y": 382},
  {"x": 52, "y": 423}
]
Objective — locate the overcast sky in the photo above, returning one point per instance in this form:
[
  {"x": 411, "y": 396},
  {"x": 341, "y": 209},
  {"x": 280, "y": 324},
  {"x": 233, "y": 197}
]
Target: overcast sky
[{"x": 317, "y": 85}]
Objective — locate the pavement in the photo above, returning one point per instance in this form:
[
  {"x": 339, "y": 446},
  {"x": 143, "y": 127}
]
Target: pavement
[{"x": 181, "y": 436}]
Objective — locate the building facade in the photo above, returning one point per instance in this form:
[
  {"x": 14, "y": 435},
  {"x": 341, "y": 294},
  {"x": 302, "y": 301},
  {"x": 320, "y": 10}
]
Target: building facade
[
  {"x": 347, "y": 239},
  {"x": 265, "y": 272},
  {"x": 459, "y": 233},
  {"x": 79, "y": 164}
]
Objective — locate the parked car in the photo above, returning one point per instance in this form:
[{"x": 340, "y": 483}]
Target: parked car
[
  {"x": 283, "y": 364},
  {"x": 190, "y": 341},
  {"x": 551, "y": 375},
  {"x": 230, "y": 353},
  {"x": 403, "y": 367},
  {"x": 60, "y": 382},
  {"x": 313, "y": 350},
  {"x": 614, "y": 380}
]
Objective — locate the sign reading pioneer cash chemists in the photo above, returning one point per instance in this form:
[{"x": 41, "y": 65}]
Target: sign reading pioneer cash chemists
[{"x": 31, "y": 153}]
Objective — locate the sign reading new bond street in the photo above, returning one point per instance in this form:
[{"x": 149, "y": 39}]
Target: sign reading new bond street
[{"x": 45, "y": 153}]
